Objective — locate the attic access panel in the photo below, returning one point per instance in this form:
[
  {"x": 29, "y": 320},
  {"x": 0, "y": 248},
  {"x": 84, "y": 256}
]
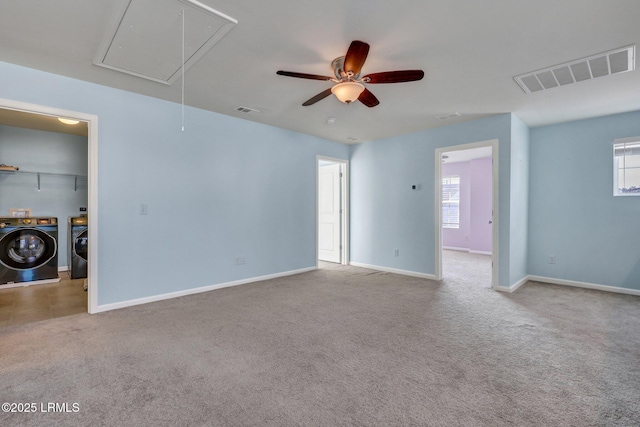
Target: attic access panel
[{"x": 145, "y": 39}]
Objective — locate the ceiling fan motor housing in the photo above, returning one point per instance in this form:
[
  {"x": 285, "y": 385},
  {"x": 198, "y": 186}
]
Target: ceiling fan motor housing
[{"x": 338, "y": 70}]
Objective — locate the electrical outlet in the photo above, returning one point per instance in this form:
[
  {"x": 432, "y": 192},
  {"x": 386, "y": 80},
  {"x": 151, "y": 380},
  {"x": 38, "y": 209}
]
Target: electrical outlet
[
  {"x": 144, "y": 209},
  {"x": 396, "y": 252},
  {"x": 241, "y": 260},
  {"x": 552, "y": 259}
]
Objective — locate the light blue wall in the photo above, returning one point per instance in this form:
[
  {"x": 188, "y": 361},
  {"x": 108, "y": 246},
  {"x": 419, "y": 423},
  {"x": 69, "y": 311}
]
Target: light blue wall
[
  {"x": 573, "y": 213},
  {"x": 227, "y": 187},
  {"x": 222, "y": 188},
  {"x": 519, "y": 201},
  {"x": 38, "y": 151},
  {"x": 386, "y": 214}
]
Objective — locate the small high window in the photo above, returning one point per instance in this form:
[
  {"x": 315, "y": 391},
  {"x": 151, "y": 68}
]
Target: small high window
[
  {"x": 626, "y": 167},
  {"x": 451, "y": 202}
]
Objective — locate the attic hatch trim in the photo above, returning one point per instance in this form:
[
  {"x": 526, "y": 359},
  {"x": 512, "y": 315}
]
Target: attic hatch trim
[
  {"x": 588, "y": 68},
  {"x": 108, "y": 41}
]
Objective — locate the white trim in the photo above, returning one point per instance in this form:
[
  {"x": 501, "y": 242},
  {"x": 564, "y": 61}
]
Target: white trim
[
  {"x": 514, "y": 287},
  {"x": 92, "y": 124},
  {"x": 394, "y": 270},
  {"x": 344, "y": 219},
  {"x": 616, "y": 166},
  {"x": 170, "y": 295},
  {"x": 493, "y": 143},
  {"x": 479, "y": 252},
  {"x": 626, "y": 140},
  {"x": 586, "y": 285},
  {"x": 63, "y": 268}
]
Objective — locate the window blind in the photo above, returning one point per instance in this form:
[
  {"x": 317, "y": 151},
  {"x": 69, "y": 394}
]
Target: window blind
[{"x": 451, "y": 202}]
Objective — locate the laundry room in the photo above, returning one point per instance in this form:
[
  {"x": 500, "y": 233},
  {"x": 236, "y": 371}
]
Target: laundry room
[{"x": 43, "y": 217}]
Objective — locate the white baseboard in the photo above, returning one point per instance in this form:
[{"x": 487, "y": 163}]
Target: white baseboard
[
  {"x": 471, "y": 251},
  {"x": 453, "y": 248},
  {"x": 514, "y": 287},
  {"x": 586, "y": 285},
  {"x": 480, "y": 252},
  {"x": 394, "y": 270},
  {"x": 161, "y": 297},
  {"x": 65, "y": 268}
]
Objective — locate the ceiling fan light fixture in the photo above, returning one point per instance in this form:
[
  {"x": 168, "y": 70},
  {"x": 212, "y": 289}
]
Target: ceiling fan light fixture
[
  {"x": 68, "y": 121},
  {"x": 347, "y": 92}
]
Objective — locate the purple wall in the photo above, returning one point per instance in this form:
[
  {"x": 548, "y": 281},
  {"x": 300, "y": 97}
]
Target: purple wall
[{"x": 476, "y": 187}]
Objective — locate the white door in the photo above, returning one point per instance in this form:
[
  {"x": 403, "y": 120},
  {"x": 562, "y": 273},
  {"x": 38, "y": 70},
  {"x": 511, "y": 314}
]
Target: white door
[{"x": 329, "y": 213}]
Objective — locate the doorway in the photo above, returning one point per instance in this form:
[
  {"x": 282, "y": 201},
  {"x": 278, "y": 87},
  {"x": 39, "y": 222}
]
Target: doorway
[
  {"x": 332, "y": 198},
  {"x": 91, "y": 121},
  {"x": 466, "y": 212}
]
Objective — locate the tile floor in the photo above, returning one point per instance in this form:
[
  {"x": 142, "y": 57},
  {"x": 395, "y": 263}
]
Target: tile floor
[{"x": 40, "y": 302}]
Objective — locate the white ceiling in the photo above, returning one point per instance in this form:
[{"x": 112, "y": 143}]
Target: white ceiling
[{"x": 469, "y": 50}]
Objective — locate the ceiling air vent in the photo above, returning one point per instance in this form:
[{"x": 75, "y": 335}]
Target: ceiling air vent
[
  {"x": 604, "y": 64},
  {"x": 246, "y": 110},
  {"x": 146, "y": 37}
]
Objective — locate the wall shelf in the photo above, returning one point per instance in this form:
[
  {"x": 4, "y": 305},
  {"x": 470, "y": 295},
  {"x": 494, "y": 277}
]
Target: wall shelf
[{"x": 38, "y": 174}]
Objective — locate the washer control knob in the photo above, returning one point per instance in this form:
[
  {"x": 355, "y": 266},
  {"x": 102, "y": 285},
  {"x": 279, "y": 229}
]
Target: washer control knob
[
  {"x": 3, "y": 224},
  {"x": 27, "y": 220}
]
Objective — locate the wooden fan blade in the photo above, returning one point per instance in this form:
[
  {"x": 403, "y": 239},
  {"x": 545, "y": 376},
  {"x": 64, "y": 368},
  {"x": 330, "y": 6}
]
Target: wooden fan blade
[
  {"x": 318, "y": 97},
  {"x": 394, "y": 76},
  {"x": 356, "y": 55},
  {"x": 303, "y": 75},
  {"x": 368, "y": 99}
]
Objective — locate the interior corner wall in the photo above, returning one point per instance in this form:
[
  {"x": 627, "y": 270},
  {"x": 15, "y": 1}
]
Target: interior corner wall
[
  {"x": 58, "y": 196},
  {"x": 386, "y": 214},
  {"x": 519, "y": 200},
  {"x": 573, "y": 214},
  {"x": 223, "y": 188}
]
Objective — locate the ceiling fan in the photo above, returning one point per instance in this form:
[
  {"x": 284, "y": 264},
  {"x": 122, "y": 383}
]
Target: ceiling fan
[{"x": 350, "y": 86}]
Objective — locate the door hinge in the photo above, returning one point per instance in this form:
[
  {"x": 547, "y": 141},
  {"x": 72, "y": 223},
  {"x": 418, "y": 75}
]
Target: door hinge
[{"x": 340, "y": 174}]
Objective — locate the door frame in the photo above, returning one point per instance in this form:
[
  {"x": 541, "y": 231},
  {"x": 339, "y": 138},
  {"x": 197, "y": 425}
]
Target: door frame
[
  {"x": 493, "y": 143},
  {"x": 344, "y": 200},
  {"x": 92, "y": 172}
]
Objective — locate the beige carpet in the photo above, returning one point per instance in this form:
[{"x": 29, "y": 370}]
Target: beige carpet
[
  {"x": 463, "y": 267},
  {"x": 341, "y": 346}
]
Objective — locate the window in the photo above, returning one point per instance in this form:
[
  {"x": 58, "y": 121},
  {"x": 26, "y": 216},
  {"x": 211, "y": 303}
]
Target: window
[
  {"x": 451, "y": 202},
  {"x": 626, "y": 167}
]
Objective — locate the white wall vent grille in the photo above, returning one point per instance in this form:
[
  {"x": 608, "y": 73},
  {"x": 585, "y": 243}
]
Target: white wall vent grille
[
  {"x": 145, "y": 38},
  {"x": 604, "y": 64}
]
